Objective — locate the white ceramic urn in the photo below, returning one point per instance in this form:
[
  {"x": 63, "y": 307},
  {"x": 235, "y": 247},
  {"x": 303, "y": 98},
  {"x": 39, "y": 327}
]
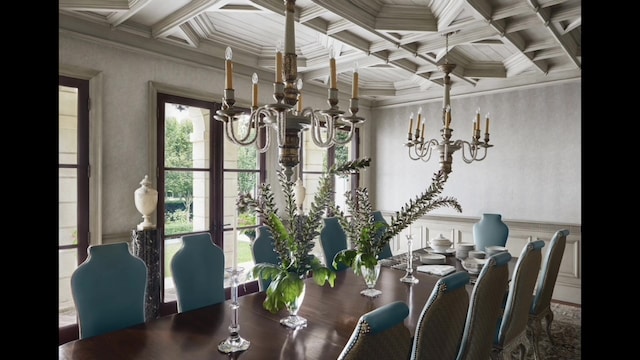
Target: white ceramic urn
[{"x": 146, "y": 200}]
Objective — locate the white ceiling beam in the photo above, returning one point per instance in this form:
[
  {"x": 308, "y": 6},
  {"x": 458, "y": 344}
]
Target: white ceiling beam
[
  {"x": 120, "y": 17},
  {"x": 94, "y": 5},
  {"x": 414, "y": 18},
  {"x": 165, "y": 26}
]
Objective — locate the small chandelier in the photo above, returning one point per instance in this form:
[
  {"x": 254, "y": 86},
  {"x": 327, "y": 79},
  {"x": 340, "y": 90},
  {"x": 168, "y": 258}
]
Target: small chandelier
[
  {"x": 283, "y": 116},
  {"x": 419, "y": 148}
]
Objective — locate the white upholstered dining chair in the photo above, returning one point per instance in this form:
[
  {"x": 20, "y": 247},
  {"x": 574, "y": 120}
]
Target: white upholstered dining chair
[
  {"x": 511, "y": 333},
  {"x": 485, "y": 307},
  {"x": 541, "y": 304},
  {"x": 439, "y": 329}
]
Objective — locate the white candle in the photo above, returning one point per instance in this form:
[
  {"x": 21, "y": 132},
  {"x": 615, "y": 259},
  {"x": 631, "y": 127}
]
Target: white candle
[
  {"x": 254, "y": 98},
  {"x": 235, "y": 241}
]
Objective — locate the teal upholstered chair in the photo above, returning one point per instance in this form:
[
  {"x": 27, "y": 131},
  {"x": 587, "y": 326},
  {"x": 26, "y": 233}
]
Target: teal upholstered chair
[
  {"x": 263, "y": 252},
  {"x": 198, "y": 272},
  {"x": 511, "y": 332},
  {"x": 485, "y": 307},
  {"x": 441, "y": 322},
  {"x": 109, "y": 290},
  {"x": 333, "y": 239},
  {"x": 386, "y": 251},
  {"x": 541, "y": 304},
  {"x": 380, "y": 334}
]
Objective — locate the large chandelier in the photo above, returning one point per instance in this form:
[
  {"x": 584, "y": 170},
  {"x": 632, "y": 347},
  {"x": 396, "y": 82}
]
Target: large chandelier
[
  {"x": 284, "y": 117},
  {"x": 419, "y": 148}
]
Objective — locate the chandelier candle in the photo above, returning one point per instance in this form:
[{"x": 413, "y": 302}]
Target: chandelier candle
[
  {"x": 228, "y": 68},
  {"x": 354, "y": 84},
  {"x": 334, "y": 76},
  {"x": 278, "y": 63},
  {"x": 254, "y": 98}
]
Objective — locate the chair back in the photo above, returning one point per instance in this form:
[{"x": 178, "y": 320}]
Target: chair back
[
  {"x": 380, "y": 334},
  {"x": 109, "y": 290},
  {"x": 386, "y": 251},
  {"x": 333, "y": 240},
  {"x": 198, "y": 272},
  {"x": 439, "y": 328},
  {"x": 264, "y": 252},
  {"x": 485, "y": 307},
  {"x": 511, "y": 330},
  {"x": 550, "y": 268}
]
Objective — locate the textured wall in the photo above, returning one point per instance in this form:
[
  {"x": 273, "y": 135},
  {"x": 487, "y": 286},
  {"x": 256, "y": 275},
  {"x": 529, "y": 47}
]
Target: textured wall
[{"x": 533, "y": 172}]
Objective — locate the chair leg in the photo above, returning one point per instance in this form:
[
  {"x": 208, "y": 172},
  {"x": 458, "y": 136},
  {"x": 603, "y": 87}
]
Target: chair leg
[
  {"x": 523, "y": 351},
  {"x": 549, "y": 318},
  {"x": 535, "y": 330}
]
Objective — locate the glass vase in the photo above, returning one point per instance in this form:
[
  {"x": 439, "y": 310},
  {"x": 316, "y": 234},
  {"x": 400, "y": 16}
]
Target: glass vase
[
  {"x": 293, "y": 320},
  {"x": 370, "y": 275}
]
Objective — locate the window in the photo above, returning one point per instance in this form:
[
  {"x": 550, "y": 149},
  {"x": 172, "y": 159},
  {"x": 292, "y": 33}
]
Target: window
[
  {"x": 73, "y": 188},
  {"x": 200, "y": 174}
]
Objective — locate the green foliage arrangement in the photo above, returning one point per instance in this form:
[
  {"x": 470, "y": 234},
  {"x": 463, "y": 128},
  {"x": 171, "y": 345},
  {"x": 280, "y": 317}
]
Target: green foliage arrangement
[
  {"x": 368, "y": 237},
  {"x": 293, "y": 238}
]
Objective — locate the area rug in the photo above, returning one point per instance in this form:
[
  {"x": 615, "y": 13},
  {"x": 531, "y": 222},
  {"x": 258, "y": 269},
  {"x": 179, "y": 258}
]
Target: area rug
[{"x": 566, "y": 332}]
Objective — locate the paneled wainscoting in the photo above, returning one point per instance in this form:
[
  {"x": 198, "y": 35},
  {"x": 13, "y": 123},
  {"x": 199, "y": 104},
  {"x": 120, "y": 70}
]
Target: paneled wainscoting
[{"x": 458, "y": 229}]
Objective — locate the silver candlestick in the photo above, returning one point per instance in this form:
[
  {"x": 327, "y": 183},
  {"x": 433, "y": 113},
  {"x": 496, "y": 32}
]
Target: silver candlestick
[
  {"x": 408, "y": 276},
  {"x": 234, "y": 342}
]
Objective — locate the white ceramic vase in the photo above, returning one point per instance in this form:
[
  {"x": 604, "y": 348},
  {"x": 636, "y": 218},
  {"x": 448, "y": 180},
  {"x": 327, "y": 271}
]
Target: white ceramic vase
[{"x": 146, "y": 200}]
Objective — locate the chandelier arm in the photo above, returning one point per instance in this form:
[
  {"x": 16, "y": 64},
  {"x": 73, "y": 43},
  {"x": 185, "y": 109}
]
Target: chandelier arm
[
  {"x": 280, "y": 127},
  {"x": 316, "y": 131},
  {"x": 231, "y": 135},
  {"x": 267, "y": 140},
  {"x": 349, "y": 136},
  {"x": 472, "y": 149},
  {"x": 484, "y": 153},
  {"x": 411, "y": 156},
  {"x": 256, "y": 117}
]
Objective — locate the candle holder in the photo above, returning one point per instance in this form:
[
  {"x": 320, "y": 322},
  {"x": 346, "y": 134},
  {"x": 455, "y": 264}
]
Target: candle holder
[
  {"x": 408, "y": 276},
  {"x": 234, "y": 342}
]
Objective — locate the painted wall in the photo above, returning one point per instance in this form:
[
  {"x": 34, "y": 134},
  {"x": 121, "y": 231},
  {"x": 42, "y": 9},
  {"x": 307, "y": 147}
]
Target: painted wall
[{"x": 533, "y": 172}]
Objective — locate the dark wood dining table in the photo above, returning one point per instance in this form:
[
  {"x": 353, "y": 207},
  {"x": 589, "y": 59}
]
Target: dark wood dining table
[{"x": 332, "y": 313}]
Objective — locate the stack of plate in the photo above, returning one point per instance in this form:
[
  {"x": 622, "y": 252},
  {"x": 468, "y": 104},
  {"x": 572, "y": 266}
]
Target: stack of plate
[
  {"x": 433, "y": 259},
  {"x": 462, "y": 250}
]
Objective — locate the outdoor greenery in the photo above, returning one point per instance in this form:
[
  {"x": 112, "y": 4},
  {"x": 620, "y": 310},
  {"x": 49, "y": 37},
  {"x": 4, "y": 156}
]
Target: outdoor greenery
[
  {"x": 179, "y": 154},
  {"x": 294, "y": 235}
]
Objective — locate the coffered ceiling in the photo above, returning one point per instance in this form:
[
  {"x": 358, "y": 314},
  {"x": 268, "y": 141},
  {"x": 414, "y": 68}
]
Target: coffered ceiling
[{"x": 397, "y": 44}]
